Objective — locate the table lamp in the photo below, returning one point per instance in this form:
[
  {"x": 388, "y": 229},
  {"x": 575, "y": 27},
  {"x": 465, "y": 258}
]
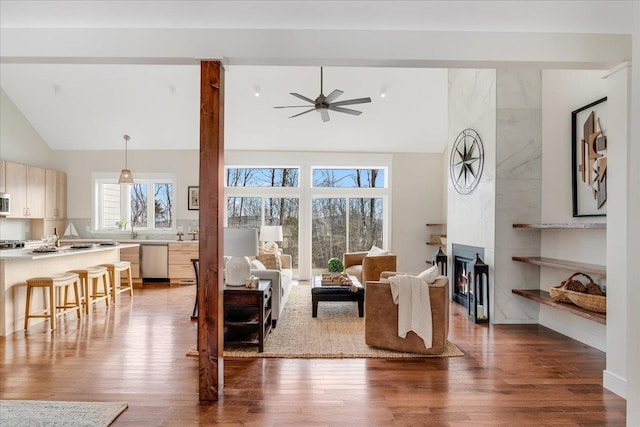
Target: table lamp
[
  {"x": 270, "y": 234},
  {"x": 239, "y": 243}
]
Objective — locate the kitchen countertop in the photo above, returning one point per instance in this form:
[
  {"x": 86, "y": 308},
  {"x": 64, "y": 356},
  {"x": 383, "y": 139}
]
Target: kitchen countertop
[
  {"x": 140, "y": 241},
  {"x": 9, "y": 254}
]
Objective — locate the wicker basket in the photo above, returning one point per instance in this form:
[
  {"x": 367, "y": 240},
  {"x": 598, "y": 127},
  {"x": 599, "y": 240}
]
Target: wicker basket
[
  {"x": 560, "y": 293},
  {"x": 597, "y": 303}
]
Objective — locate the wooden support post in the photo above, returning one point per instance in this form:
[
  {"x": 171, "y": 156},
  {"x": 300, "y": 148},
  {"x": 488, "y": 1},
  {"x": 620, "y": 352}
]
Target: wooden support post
[{"x": 210, "y": 296}]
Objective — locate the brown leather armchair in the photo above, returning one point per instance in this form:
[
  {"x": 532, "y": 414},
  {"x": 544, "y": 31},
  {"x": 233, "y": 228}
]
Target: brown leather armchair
[
  {"x": 381, "y": 317},
  {"x": 367, "y": 268}
]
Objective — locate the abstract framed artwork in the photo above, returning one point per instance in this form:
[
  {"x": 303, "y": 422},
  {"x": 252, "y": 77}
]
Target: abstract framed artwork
[
  {"x": 589, "y": 159},
  {"x": 193, "y": 198}
]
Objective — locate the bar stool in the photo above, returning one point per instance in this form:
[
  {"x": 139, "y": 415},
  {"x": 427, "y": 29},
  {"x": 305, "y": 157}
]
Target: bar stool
[
  {"x": 54, "y": 284},
  {"x": 116, "y": 281},
  {"x": 90, "y": 278}
]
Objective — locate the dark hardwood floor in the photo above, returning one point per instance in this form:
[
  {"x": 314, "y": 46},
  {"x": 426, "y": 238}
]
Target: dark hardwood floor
[{"x": 135, "y": 352}]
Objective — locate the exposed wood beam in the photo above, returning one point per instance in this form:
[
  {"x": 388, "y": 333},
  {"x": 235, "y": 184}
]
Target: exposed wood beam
[{"x": 210, "y": 296}]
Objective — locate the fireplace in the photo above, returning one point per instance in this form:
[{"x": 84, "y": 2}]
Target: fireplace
[{"x": 463, "y": 259}]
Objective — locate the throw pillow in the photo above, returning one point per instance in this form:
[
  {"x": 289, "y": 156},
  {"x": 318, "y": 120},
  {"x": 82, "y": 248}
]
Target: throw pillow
[
  {"x": 257, "y": 265},
  {"x": 376, "y": 251},
  {"x": 272, "y": 250},
  {"x": 270, "y": 261},
  {"x": 430, "y": 274}
]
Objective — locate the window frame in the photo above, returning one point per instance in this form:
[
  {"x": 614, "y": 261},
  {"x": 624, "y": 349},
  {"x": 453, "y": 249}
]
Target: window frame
[{"x": 150, "y": 179}]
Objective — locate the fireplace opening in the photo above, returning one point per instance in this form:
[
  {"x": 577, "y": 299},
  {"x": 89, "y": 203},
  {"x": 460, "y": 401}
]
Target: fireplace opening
[{"x": 464, "y": 258}]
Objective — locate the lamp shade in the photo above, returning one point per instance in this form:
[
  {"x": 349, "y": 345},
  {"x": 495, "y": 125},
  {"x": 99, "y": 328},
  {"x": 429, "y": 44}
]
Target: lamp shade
[
  {"x": 271, "y": 233},
  {"x": 126, "y": 177},
  {"x": 239, "y": 243}
]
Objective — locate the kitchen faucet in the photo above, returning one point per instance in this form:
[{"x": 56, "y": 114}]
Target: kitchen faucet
[{"x": 133, "y": 233}]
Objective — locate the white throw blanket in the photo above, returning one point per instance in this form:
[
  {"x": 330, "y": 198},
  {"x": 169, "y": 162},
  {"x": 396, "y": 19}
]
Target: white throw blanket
[{"x": 411, "y": 295}]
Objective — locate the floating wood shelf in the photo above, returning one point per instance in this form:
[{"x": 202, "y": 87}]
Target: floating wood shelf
[
  {"x": 434, "y": 244},
  {"x": 582, "y": 267},
  {"x": 561, "y": 226},
  {"x": 543, "y": 297}
]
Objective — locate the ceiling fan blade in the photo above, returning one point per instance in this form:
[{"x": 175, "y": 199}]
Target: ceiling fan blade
[
  {"x": 333, "y": 95},
  {"x": 352, "y": 101},
  {"x": 293, "y": 106},
  {"x": 304, "y": 112},
  {"x": 304, "y": 98},
  {"x": 345, "y": 110},
  {"x": 325, "y": 114}
]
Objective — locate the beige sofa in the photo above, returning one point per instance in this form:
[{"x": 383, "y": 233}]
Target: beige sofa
[
  {"x": 280, "y": 285},
  {"x": 381, "y": 317}
]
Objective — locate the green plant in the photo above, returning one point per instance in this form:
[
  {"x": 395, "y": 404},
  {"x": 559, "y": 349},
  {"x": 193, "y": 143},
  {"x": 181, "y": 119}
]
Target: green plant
[
  {"x": 120, "y": 224},
  {"x": 335, "y": 265}
]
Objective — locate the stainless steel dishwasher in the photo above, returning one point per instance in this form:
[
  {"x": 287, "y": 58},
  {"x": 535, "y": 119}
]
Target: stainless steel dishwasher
[{"x": 154, "y": 263}]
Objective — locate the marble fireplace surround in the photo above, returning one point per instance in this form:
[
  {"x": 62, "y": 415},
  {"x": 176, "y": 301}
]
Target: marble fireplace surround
[{"x": 505, "y": 108}]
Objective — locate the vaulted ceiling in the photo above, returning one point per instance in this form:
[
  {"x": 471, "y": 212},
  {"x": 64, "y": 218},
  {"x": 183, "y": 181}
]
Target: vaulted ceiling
[{"x": 85, "y": 73}]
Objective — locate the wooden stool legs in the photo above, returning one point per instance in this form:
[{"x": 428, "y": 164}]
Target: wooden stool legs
[
  {"x": 117, "y": 286},
  {"x": 56, "y": 305},
  {"x": 91, "y": 278}
]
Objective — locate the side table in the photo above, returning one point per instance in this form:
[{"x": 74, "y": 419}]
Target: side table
[{"x": 247, "y": 314}]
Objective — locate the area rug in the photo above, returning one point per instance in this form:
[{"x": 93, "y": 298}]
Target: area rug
[
  {"x": 32, "y": 413},
  {"x": 337, "y": 332}
]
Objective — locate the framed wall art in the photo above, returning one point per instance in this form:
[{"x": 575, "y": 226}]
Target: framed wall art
[
  {"x": 589, "y": 159},
  {"x": 194, "y": 198}
]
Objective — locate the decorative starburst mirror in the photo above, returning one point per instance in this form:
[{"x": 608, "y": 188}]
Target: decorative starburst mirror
[{"x": 466, "y": 161}]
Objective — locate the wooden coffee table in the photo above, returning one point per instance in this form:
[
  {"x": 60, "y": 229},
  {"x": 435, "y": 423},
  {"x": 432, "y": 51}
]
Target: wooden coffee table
[{"x": 336, "y": 293}]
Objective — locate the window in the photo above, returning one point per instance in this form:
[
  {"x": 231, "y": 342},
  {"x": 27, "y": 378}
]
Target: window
[
  {"x": 336, "y": 230},
  {"x": 252, "y": 212},
  {"x": 147, "y": 204},
  {"x": 324, "y": 211},
  {"x": 262, "y": 177},
  {"x": 349, "y": 178}
]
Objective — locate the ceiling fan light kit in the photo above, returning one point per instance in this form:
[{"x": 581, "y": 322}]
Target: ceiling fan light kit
[{"x": 323, "y": 104}]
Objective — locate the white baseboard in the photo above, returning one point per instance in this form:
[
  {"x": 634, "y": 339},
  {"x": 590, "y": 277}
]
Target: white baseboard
[{"x": 614, "y": 383}]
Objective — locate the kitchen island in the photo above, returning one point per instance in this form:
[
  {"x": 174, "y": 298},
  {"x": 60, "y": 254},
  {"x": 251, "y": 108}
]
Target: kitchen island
[{"x": 17, "y": 265}]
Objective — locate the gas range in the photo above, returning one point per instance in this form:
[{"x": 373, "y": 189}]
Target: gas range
[{"x": 11, "y": 244}]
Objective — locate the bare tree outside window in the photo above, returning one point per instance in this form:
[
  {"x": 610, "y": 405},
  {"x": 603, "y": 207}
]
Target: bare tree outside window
[
  {"x": 138, "y": 194},
  {"x": 163, "y": 205},
  {"x": 330, "y": 236},
  {"x": 328, "y": 229}
]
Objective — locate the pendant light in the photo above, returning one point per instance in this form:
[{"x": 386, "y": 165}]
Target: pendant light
[{"x": 126, "y": 177}]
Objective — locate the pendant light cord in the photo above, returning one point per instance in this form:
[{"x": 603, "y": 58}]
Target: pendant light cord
[{"x": 126, "y": 151}]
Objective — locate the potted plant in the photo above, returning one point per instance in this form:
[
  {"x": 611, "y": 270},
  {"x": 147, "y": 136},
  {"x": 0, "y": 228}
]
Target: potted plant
[
  {"x": 121, "y": 224},
  {"x": 335, "y": 265}
]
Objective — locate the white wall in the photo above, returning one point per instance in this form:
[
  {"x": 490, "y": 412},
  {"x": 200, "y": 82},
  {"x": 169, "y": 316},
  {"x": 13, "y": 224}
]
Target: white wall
[
  {"x": 618, "y": 114},
  {"x": 79, "y": 166},
  {"x": 416, "y": 183},
  {"x": 633, "y": 249},
  {"x": 19, "y": 141},
  {"x": 564, "y": 91},
  {"x": 417, "y": 200}
]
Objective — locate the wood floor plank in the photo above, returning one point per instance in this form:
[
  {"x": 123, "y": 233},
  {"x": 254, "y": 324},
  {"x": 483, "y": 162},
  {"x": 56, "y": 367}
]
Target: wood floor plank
[{"x": 135, "y": 352}]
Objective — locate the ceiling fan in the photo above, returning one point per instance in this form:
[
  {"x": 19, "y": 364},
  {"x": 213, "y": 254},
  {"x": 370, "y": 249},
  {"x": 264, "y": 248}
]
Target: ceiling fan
[{"x": 325, "y": 103}]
